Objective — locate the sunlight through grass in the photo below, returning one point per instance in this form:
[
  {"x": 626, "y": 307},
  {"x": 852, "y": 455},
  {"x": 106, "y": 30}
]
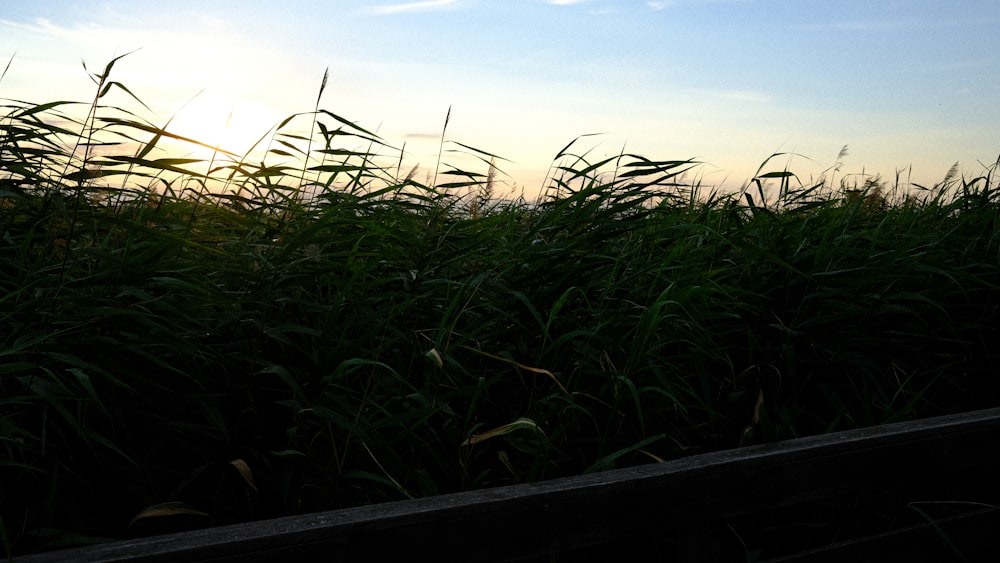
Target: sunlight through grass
[{"x": 216, "y": 338}]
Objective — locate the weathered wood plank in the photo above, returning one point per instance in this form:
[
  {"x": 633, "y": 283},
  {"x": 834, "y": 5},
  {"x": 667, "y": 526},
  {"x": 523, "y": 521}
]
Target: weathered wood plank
[{"x": 524, "y": 520}]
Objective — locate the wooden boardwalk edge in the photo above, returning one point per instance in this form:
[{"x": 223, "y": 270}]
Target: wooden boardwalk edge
[{"x": 569, "y": 513}]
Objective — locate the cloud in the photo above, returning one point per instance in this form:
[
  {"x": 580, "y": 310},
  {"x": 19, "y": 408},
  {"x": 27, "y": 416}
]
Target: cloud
[
  {"x": 40, "y": 26},
  {"x": 657, "y": 6},
  {"x": 872, "y": 26},
  {"x": 600, "y": 10},
  {"x": 426, "y": 5},
  {"x": 422, "y": 136}
]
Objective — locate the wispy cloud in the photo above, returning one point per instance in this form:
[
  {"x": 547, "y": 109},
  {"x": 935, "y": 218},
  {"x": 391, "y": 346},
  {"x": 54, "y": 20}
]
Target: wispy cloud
[
  {"x": 38, "y": 25},
  {"x": 657, "y": 5},
  {"x": 601, "y": 9},
  {"x": 873, "y": 26},
  {"x": 405, "y": 7}
]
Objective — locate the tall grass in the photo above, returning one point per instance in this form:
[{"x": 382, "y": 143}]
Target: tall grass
[{"x": 313, "y": 329}]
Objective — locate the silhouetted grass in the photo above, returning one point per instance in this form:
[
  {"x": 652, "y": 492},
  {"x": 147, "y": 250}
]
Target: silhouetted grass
[{"x": 187, "y": 343}]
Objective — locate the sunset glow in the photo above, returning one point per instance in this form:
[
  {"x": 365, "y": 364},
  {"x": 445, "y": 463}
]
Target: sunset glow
[
  {"x": 233, "y": 128},
  {"x": 726, "y": 82}
]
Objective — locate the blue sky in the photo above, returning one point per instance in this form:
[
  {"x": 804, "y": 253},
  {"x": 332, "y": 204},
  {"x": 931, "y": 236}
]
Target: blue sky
[{"x": 911, "y": 83}]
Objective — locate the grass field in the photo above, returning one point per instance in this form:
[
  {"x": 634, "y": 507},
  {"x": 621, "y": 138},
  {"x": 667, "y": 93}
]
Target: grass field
[{"x": 188, "y": 342}]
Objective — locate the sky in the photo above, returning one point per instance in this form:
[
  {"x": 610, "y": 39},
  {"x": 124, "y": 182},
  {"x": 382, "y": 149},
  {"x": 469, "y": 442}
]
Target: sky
[{"x": 910, "y": 86}]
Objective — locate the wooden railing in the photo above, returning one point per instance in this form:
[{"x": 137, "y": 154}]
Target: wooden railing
[{"x": 911, "y": 491}]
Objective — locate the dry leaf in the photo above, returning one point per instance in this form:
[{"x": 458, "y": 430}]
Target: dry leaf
[
  {"x": 244, "y": 470},
  {"x": 166, "y": 509},
  {"x": 519, "y": 424}
]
